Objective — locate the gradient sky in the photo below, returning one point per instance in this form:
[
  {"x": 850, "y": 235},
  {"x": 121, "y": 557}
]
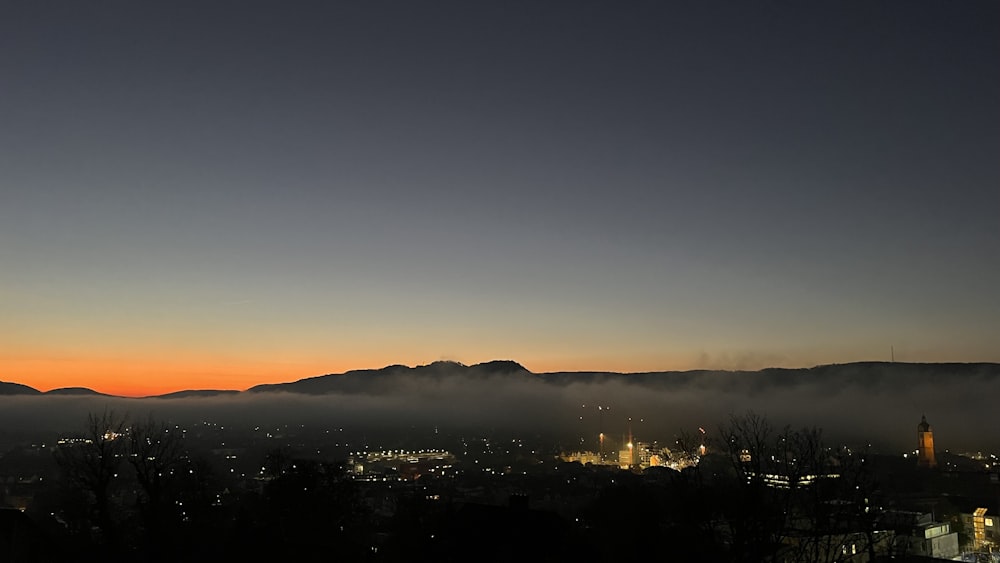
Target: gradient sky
[{"x": 219, "y": 194}]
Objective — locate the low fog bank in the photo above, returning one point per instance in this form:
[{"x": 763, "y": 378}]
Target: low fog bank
[{"x": 881, "y": 412}]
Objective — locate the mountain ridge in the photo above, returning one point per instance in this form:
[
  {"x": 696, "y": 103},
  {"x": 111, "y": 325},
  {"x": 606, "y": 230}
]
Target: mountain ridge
[{"x": 859, "y": 373}]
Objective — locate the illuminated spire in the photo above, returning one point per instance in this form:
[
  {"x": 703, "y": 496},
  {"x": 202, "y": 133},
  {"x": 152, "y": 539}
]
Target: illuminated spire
[{"x": 925, "y": 444}]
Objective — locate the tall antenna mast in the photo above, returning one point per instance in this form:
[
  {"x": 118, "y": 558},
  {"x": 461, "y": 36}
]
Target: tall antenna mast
[{"x": 892, "y": 354}]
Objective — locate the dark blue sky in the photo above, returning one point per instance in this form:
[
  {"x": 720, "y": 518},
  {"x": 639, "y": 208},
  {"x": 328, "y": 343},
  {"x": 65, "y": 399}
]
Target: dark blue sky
[{"x": 236, "y": 192}]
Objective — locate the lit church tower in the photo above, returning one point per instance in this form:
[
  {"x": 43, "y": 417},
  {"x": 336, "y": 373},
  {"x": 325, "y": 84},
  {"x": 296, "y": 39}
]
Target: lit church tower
[{"x": 925, "y": 444}]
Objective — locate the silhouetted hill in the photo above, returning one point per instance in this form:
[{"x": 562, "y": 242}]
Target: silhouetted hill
[
  {"x": 75, "y": 391},
  {"x": 374, "y": 381},
  {"x": 872, "y": 377},
  {"x": 195, "y": 393},
  {"x": 17, "y": 389}
]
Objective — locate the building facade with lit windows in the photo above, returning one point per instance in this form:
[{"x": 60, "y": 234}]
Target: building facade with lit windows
[{"x": 983, "y": 529}]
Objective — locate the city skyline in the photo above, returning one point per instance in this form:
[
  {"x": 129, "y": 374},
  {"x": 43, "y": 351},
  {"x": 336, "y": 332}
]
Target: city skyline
[{"x": 218, "y": 195}]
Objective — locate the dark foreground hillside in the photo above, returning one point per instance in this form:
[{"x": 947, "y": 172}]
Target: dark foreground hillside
[{"x": 147, "y": 493}]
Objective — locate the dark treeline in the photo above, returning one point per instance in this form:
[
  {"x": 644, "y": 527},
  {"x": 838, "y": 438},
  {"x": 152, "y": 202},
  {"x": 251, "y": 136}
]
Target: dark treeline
[{"x": 127, "y": 490}]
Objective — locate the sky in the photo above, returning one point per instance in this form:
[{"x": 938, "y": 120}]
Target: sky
[{"x": 212, "y": 195}]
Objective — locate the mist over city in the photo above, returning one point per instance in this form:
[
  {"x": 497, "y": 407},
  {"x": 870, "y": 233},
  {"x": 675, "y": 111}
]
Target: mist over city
[
  {"x": 455, "y": 281},
  {"x": 874, "y": 403}
]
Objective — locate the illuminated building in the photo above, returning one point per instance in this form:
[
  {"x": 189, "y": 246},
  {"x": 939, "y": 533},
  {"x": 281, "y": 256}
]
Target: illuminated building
[
  {"x": 979, "y": 527},
  {"x": 403, "y": 464},
  {"x": 925, "y": 444},
  {"x": 626, "y": 456},
  {"x": 985, "y": 529},
  {"x": 625, "y": 460},
  {"x": 782, "y": 481},
  {"x": 582, "y": 457},
  {"x": 919, "y": 534},
  {"x": 643, "y": 454}
]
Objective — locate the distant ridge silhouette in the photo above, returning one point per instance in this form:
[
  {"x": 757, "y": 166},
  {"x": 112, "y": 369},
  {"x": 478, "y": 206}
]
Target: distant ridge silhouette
[
  {"x": 17, "y": 389},
  {"x": 868, "y": 375},
  {"x": 196, "y": 393},
  {"x": 373, "y": 381},
  {"x": 74, "y": 391}
]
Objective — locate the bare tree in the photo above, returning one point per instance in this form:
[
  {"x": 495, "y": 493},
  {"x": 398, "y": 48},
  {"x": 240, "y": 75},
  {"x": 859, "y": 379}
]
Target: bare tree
[
  {"x": 154, "y": 452},
  {"x": 794, "y": 499},
  {"x": 92, "y": 463},
  {"x": 755, "y": 517}
]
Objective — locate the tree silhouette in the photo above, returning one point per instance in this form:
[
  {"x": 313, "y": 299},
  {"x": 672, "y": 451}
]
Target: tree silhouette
[
  {"x": 795, "y": 499},
  {"x": 311, "y": 511},
  {"x": 154, "y": 452},
  {"x": 93, "y": 462}
]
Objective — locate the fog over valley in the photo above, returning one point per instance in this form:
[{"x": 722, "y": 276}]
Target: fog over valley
[{"x": 876, "y": 403}]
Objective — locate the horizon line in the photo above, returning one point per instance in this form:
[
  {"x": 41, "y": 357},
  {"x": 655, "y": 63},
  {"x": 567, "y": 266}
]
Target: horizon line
[{"x": 90, "y": 390}]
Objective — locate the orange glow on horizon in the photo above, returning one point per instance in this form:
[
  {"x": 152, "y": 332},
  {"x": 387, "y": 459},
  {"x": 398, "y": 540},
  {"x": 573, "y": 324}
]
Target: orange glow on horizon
[
  {"x": 143, "y": 377},
  {"x": 157, "y": 374}
]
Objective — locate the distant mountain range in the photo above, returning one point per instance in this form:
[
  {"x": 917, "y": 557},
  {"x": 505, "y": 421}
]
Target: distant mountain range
[{"x": 868, "y": 375}]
